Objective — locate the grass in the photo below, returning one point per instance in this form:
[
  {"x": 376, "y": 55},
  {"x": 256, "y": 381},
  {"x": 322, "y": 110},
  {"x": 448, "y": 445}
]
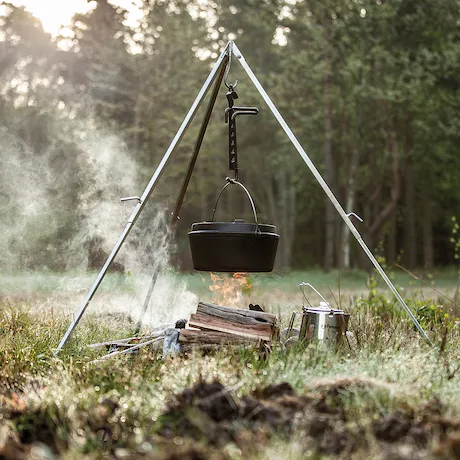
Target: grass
[
  {"x": 130, "y": 406},
  {"x": 20, "y": 283}
]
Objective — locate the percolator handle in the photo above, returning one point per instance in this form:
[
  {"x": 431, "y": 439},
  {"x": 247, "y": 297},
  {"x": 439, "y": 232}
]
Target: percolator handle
[{"x": 301, "y": 285}]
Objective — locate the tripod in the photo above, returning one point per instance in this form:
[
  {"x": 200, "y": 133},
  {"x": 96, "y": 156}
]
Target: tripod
[{"x": 216, "y": 75}]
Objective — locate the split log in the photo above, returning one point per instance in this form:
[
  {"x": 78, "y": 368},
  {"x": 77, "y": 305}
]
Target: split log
[
  {"x": 188, "y": 348},
  {"x": 237, "y": 315},
  {"x": 197, "y": 337},
  {"x": 245, "y": 323}
]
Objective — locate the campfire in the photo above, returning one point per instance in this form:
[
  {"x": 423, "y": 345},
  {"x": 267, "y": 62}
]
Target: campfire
[
  {"x": 215, "y": 326},
  {"x": 228, "y": 290}
]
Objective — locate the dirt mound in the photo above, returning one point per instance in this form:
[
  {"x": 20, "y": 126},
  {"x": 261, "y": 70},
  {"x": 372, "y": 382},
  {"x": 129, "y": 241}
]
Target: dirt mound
[
  {"x": 335, "y": 418},
  {"x": 210, "y": 412},
  {"x": 213, "y": 414},
  {"x": 421, "y": 427}
]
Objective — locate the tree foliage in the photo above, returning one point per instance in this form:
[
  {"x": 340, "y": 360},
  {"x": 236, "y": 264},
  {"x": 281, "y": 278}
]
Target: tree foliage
[{"x": 370, "y": 89}]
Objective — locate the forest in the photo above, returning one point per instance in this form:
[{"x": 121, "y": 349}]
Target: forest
[
  {"x": 369, "y": 87},
  {"x": 312, "y": 360}
]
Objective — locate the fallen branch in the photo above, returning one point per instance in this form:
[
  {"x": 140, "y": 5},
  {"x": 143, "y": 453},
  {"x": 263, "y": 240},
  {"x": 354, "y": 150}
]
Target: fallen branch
[
  {"x": 125, "y": 342},
  {"x": 135, "y": 347}
]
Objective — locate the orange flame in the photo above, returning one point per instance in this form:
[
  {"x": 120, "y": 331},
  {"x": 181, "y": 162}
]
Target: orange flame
[{"x": 228, "y": 291}]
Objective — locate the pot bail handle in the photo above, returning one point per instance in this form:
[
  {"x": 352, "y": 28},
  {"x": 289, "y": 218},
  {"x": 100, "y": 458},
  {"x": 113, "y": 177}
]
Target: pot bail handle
[{"x": 231, "y": 181}]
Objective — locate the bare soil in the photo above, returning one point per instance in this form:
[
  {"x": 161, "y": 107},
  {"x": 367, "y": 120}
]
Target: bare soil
[{"x": 204, "y": 420}]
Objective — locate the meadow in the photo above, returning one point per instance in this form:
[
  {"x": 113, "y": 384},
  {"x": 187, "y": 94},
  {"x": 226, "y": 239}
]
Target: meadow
[{"x": 386, "y": 395}]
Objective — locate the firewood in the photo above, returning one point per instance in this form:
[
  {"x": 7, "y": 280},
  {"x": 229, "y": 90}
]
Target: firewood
[
  {"x": 210, "y": 324},
  {"x": 236, "y": 315},
  {"x": 244, "y": 323},
  {"x": 196, "y": 337},
  {"x": 186, "y": 348}
]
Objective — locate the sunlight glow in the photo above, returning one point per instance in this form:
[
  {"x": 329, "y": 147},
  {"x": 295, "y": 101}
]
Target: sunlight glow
[{"x": 55, "y": 13}]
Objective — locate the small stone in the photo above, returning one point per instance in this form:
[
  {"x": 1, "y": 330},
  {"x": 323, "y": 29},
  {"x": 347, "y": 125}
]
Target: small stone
[
  {"x": 40, "y": 451},
  {"x": 121, "y": 453}
]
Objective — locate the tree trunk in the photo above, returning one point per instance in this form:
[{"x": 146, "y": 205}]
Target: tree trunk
[
  {"x": 427, "y": 229},
  {"x": 284, "y": 211},
  {"x": 410, "y": 247},
  {"x": 395, "y": 191},
  {"x": 392, "y": 241},
  {"x": 353, "y": 148},
  {"x": 349, "y": 205},
  {"x": 265, "y": 192},
  {"x": 202, "y": 192},
  {"x": 410, "y": 233},
  {"x": 292, "y": 223},
  {"x": 330, "y": 176},
  {"x": 288, "y": 218},
  {"x": 345, "y": 249}
]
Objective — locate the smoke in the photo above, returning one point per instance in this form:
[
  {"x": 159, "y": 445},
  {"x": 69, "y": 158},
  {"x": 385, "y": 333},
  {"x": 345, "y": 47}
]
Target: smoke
[
  {"x": 60, "y": 210},
  {"x": 105, "y": 174},
  {"x": 26, "y": 217}
]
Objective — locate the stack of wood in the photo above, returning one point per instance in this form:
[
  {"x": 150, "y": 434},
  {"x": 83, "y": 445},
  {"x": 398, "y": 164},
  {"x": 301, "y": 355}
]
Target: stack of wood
[{"x": 213, "y": 326}]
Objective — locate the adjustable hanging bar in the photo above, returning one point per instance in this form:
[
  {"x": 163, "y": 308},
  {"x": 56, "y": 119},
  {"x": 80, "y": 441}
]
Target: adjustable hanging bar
[
  {"x": 232, "y": 148},
  {"x": 231, "y": 112},
  {"x": 326, "y": 188}
]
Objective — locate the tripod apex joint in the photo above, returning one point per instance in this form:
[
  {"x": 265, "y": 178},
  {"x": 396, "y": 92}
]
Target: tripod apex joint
[{"x": 218, "y": 74}]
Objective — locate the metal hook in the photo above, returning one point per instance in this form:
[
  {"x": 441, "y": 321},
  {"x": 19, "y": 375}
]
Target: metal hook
[
  {"x": 355, "y": 215},
  {"x": 131, "y": 198},
  {"x": 227, "y": 70}
]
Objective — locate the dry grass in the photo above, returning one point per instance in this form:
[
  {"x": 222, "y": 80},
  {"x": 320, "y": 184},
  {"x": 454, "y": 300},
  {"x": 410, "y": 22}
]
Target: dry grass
[{"x": 70, "y": 408}]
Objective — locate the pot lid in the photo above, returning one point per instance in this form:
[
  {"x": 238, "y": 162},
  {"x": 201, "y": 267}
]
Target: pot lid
[
  {"x": 323, "y": 308},
  {"x": 237, "y": 226}
]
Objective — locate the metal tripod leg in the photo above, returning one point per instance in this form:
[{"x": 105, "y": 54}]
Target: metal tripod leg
[
  {"x": 180, "y": 198},
  {"x": 147, "y": 299},
  {"x": 147, "y": 192},
  {"x": 325, "y": 187}
]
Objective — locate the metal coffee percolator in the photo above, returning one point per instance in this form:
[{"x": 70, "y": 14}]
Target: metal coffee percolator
[{"x": 322, "y": 324}]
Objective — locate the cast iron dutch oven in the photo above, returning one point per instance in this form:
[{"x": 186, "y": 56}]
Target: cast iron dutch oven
[{"x": 235, "y": 246}]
